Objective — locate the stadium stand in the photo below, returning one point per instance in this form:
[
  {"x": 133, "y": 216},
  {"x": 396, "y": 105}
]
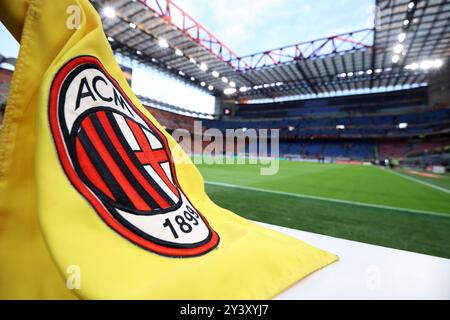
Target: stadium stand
[
  {"x": 404, "y": 148},
  {"x": 362, "y": 116},
  {"x": 381, "y": 103},
  {"x": 5, "y": 80},
  {"x": 172, "y": 121},
  {"x": 355, "y": 127}
]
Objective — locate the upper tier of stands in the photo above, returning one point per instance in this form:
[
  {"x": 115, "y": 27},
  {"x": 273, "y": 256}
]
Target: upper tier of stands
[
  {"x": 365, "y": 104},
  {"x": 363, "y": 116},
  {"x": 418, "y": 123}
]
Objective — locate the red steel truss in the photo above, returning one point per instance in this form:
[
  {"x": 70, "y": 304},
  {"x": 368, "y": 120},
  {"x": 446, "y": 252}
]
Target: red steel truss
[
  {"x": 177, "y": 17},
  {"x": 347, "y": 42}
]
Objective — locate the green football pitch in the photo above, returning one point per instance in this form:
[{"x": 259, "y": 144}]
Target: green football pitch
[{"x": 362, "y": 203}]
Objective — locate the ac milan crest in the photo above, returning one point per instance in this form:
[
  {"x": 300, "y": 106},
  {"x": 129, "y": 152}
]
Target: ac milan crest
[{"x": 121, "y": 163}]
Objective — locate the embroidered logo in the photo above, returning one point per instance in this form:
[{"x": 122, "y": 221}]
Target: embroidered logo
[{"x": 121, "y": 162}]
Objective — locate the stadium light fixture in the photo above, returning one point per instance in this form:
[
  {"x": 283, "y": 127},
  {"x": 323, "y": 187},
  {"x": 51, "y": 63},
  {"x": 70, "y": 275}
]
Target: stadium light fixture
[
  {"x": 210, "y": 88},
  {"x": 203, "y": 67},
  {"x": 369, "y": 71},
  {"x": 437, "y": 63},
  {"x": 138, "y": 52},
  {"x": 410, "y": 5},
  {"x": 215, "y": 74},
  {"x": 340, "y": 127},
  {"x": 401, "y": 37},
  {"x": 244, "y": 129},
  {"x": 192, "y": 60},
  {"x": 279, "y": 84},
  {"x": 110, "y": 39},
  {"x": 243, "y": 89},
  {"x": 426, "y": 64},
  {"x": 395, "y": 58},
  {"x": 202, "y": 83},
  {"x": 192, "y": 79},
  {"x": 163, "y": 43},
  {"x": 224, "y": 79},
  {"x": 229, "y": 91},
  {"x": 153, "y": 60},
  {"x": 178, "y": 52},
  {"x": 350, "y": 74},
  {"x": 412, "y": 66},
  {"x": 109, "y": 12},
  {"x": 378, "y": 70},
  {"x": 291, "y": 128},
  {"x": 405, "y": 22},
  {"x": 181, "y": 73},
  {"x": 132, "y": 25},
  {"x": 398, "y": 48},
  {"x": 360, "y": 73},
  {"x": 403, "y": 125},
  {"x": 232, "y": 84}
]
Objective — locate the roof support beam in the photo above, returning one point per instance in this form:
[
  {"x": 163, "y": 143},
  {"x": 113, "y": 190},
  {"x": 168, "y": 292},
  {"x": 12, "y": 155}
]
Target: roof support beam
[{"x": 306, "y": 78}]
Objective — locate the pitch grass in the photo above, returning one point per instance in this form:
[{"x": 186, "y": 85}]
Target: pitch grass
[
  {"x": 442, "y": 180},
  {"x": 418, "y": 232}
]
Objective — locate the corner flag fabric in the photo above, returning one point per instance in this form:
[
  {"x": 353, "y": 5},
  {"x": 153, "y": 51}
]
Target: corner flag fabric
[{"x": 97, "y": 201}]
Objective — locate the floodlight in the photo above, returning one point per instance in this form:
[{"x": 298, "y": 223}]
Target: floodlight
[
  {"x": 163, "y": 43},
  {"x": 109, "y": 12}
]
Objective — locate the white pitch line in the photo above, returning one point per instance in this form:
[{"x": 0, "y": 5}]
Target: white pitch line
[
  {"x": 300, "y": 195},
  {"x": 419, "y": 181}
]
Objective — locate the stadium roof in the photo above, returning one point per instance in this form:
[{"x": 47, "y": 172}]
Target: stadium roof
[
  {"x": 10, "y": 61},
  {"x": 409, "y": 39}
]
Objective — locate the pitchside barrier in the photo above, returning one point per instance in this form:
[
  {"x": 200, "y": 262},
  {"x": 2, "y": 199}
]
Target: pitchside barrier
[
  {"x": 367, "y": 271},
  {"x": 283, "y": 157}
]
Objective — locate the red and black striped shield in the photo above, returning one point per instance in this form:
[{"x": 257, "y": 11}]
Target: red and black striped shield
[
  {"x": 125, "y": 163},
  {"x": 121, "y": 162}
]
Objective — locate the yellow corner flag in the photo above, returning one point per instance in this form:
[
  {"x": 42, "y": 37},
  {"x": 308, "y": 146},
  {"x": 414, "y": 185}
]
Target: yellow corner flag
[{"x": 97, "y": 201}]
